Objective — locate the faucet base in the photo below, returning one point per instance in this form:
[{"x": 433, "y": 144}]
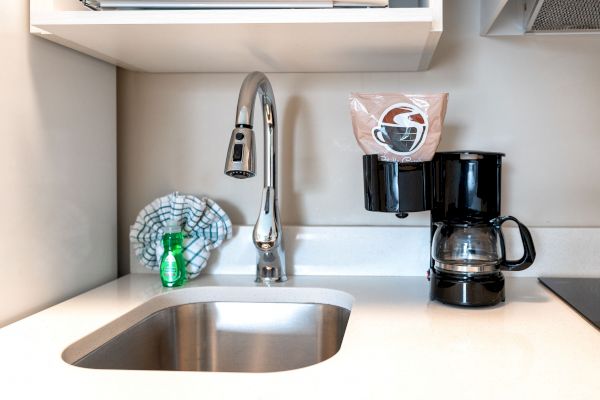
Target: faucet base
[
  {"x": 269, "y": 281},
  {"x": 270, "y": 266},
  {"x": 269, "y": 274}
]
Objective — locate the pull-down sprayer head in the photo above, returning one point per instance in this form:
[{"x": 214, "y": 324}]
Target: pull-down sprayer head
[{"x": 241, "y": 155}]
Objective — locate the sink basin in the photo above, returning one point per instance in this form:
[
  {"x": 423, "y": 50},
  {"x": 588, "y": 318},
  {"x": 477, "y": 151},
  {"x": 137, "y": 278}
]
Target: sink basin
[{"x": 244, "y": 330}]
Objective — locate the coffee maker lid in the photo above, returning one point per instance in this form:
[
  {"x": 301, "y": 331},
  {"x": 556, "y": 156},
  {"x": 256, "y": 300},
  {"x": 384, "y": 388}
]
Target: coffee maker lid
[{"x": 468, "y": 154}]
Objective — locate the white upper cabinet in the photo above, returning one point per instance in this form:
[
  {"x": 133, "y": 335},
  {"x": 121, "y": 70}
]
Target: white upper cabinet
[{"x": 275, "y": 40}]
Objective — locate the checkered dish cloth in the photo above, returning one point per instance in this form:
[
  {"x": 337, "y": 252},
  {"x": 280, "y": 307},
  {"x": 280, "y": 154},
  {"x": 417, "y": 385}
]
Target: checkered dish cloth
[{"x": 203, "y": 223}]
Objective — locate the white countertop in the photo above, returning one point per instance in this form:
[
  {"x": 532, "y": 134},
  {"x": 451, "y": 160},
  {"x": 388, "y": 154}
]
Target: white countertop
[{"x": 397, "y": 344}]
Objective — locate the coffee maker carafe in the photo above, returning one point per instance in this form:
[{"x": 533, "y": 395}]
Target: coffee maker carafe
[
  {"x": 476, "y": 247},
  {"x": 462, "y": 190}
]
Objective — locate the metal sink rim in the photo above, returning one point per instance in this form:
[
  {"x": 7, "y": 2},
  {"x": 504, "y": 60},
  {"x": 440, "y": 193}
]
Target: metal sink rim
[{"x": 206, "y": 294}]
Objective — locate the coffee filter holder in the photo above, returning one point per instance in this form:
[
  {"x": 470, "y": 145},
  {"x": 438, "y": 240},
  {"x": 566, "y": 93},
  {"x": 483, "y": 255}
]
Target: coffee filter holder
[
  {"x": 395, "y": 187},
  {"x": 204, "y": 224}
]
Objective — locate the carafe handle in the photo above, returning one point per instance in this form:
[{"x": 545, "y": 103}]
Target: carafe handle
[{"x": 529, "y": 249}]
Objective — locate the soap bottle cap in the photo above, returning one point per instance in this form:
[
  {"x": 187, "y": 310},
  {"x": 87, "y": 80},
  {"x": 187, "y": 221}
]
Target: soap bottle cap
[{"x": 172, "y": 226}]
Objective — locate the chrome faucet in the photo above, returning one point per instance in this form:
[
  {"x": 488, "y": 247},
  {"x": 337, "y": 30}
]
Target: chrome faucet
[{"x": 240, "y": 163}]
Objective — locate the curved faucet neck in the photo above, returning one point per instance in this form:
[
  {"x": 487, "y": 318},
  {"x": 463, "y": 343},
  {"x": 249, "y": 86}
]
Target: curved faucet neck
[{"x": 258, "y": 83}]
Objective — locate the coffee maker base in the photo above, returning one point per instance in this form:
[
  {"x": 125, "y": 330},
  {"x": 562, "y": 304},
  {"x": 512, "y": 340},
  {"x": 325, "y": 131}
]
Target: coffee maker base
[{"x": 463, "y": 290}]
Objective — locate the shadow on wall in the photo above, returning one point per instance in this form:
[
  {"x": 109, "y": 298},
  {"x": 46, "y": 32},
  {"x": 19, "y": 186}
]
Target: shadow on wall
[
  {"x": 230, "y": 208},
  {"x": 73, "y": 150},
  {"x": 451, "y": 138},
  {"x": 452, "y": 47},
  {"x": 289, "y": 192}
]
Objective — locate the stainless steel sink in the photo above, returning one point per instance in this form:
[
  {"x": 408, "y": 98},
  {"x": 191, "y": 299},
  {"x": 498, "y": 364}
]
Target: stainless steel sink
[{"x": 222, "y": 336}]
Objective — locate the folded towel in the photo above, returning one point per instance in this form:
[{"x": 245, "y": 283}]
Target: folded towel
[{"x": 204, "y": 225}]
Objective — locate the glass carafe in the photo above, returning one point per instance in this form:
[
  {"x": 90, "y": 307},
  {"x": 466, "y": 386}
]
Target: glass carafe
[{"x": 478, "y": 248}]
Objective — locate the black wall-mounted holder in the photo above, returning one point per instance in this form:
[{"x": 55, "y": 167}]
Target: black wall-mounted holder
[{"x": 386, "y": 184}]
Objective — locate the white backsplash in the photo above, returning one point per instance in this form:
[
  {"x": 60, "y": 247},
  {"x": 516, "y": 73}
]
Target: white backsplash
[{"x": 397, "y": 251}]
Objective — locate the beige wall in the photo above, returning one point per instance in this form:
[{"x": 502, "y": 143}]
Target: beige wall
[
  {"x": 535, "y": 98},
  {"x": 57, "y": 169}
]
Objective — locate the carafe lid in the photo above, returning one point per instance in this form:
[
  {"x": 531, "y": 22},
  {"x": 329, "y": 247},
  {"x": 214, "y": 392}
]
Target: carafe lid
[
  {"x": 468, "y": 154},
  {"x": 466, "y": 222}
]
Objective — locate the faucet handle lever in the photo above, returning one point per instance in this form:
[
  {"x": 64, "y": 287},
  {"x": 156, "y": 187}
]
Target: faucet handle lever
[{"x": 267, "y": 230}]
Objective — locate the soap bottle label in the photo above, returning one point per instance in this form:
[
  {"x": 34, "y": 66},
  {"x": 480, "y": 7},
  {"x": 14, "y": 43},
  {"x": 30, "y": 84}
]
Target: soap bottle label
[{"x": 170, "y": 270}]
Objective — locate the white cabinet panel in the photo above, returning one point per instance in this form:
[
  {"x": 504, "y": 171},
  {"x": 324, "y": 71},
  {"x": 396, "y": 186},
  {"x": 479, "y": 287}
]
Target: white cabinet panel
[{"x": 280, "y": 40}]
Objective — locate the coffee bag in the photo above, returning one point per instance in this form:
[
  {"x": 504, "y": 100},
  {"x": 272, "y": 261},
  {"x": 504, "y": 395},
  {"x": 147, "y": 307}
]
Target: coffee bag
[{"x": 398, "y": 127}]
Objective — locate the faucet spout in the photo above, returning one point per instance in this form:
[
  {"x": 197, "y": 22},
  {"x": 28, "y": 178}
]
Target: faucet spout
[{"x": 267, "y": 234}]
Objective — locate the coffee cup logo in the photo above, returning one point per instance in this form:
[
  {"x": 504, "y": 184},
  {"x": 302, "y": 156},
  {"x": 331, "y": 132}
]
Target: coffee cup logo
[{"x": 402, "y": 128}]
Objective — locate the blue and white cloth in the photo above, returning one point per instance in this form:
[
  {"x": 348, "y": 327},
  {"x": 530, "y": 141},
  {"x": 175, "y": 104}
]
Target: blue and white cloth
[{"x": 203, "y": 223}]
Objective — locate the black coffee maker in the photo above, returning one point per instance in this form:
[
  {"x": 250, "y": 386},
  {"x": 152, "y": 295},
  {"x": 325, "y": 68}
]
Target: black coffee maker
[{"x": 462, "y": 190}]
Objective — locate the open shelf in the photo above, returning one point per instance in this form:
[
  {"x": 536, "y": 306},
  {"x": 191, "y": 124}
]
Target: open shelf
[{"x": 276, "y": 40}]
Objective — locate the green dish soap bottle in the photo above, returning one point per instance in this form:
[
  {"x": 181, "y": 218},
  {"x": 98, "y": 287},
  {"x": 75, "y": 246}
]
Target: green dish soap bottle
[{"x": 172, "y": 267}]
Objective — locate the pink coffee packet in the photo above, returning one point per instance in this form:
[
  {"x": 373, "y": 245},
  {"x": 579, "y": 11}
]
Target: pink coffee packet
[{"x": 398, "y": 127}]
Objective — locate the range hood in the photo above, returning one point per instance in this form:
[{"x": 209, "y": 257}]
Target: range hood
[
  {"x": 562, "y": 15},
  {"x": 518, "y": 17}
]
